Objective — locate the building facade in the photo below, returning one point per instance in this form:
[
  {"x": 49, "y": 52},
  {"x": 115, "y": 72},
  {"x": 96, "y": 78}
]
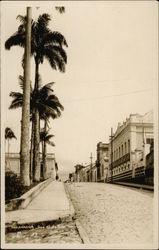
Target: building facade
[
  {"x": 129, "y": 146},
  {"x": 12, "y": 163},
  {"x": 149, "y": 172},
  {"x": 86, "y": 173},
  {"x": 102, "y": 162}
]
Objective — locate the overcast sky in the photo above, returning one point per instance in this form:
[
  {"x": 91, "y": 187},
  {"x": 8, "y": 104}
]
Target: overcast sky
[{"x": 111, "y": 71}]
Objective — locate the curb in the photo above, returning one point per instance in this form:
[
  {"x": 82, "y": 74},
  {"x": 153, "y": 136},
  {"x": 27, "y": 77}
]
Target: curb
[
  {"x": 15, "y": 227},
  {"x": 23, "y": 201},
  {"x": 134, "y": 185},
  {"x": 82, "y": 233},
  {"x": 70, "y": 202}
]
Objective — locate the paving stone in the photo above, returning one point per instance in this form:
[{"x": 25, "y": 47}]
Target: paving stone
[{"x": 113, "y": 214}]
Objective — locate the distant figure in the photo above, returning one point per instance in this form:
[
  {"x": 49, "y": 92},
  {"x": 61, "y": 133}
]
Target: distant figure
[{"x": 57, "y": 177}]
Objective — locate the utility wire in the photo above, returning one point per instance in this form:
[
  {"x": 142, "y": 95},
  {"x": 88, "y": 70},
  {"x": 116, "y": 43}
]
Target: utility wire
[{"x": 109, "y": 96}]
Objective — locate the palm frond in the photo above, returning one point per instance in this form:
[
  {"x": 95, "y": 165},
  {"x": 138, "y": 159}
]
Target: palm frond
[
  {"x": 60, "y": 9},
  {"x": 9, "y": 134},
  {"x": 22, "y": 19},
  {"x": 51, "y": 143},
  {"x": 17, "y": 100},
  {"x": 54, "y": 59},
  {"x": 17, "y": 39},
  {"x": 21, "y": 83},
  {"x": 53, "y": 100},
  {"x": 59, "y": 51},
  {"x": 55, "y": 38},
  {"x": 15, "y": 104},
  {"x": 42, "y": 22},
  {"x": 16, "y": 94}
]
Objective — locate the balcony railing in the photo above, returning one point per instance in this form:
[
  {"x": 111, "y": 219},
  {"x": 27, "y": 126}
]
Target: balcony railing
[{"x": 121, "y": 160}]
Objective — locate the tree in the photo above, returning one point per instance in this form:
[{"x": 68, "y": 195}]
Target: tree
[
  {"x": 45, "y": 138},
  {"x": 45, "y": 44},
  {"x": 9, "y": 135},
  {"x": 24, "y": 153},
  {"x": 48, "y": 106}
]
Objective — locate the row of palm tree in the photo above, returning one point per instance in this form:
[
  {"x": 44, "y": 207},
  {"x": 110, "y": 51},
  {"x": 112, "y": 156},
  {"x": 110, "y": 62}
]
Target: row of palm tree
[
  {"x": 44, "y": 105},
  {"x": 48, "y": 106}
]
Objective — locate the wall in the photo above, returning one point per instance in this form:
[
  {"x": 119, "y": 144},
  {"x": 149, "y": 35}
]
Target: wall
[{"x": 12, "y": 163}]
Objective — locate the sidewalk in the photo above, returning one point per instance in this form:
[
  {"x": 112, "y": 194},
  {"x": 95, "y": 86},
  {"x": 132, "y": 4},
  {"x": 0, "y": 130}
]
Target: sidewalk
[
  {"x": 50, "y": 205},
  {"x": 135, "y": 185}
]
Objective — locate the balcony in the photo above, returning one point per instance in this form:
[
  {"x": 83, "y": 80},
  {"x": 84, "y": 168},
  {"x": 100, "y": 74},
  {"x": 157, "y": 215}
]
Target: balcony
[{"x": 121, "y": 160}]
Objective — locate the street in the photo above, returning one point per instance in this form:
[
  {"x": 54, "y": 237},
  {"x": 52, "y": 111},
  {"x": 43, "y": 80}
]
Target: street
[
  {"x": 113, "y": 214},
  {"x": 109, "y": 214}
]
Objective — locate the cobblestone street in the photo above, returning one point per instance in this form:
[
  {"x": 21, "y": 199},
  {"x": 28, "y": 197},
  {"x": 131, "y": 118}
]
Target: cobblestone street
[
  {"x": 113, "y": 214},
  {"x": 57, "y": 234}
]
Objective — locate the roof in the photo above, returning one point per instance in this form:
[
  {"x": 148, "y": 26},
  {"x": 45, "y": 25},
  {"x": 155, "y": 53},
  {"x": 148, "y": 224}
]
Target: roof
[{"x": 135, "y": 118}]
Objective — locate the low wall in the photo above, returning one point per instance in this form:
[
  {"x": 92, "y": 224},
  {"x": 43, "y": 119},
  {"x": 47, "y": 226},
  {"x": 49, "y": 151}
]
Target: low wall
[{"x": 23, "y": 201}]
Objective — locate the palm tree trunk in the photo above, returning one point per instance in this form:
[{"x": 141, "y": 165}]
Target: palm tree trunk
[
  {"x": 42, "y": 144},
  {"x": 36, "y": 160},
  {"x": 31, "y": 151},
  {"x": 8, "y": 155},
  {"x": 24, "y": 156},
  {"x": 8, "y": 147},
  {"x": 45, "y": 154}
]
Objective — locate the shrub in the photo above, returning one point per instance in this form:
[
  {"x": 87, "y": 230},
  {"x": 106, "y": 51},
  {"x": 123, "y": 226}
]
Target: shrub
[{"x": 13, "y": 186}]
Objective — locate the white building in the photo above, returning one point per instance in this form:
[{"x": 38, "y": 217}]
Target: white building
[
  {"x": 130, "y": 145},
  {"x": 12, "y": 163}
]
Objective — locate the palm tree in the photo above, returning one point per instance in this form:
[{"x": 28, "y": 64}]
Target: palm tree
[
  {"x": 45, "y": 44},
  {"x": 45, "y": 138},
  {"x": 48, "y": 106},
  {"x": 9, "y": 135}
]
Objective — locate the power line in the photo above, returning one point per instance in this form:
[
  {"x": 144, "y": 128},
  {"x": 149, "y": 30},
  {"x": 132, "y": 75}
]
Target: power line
[{"x": 109, "y": 96}]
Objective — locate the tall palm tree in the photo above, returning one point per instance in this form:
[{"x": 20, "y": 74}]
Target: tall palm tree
[
  {"x": 45, "y": 44},
  {"x": 47, "y": 104},
  {"x": 9, "y": 135},
  {"x": 45, "y": 139}
]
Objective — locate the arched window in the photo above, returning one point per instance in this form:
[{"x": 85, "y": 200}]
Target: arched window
[
  {"x": 125, "y": 148},
  {"x": 128, "y": 146}
]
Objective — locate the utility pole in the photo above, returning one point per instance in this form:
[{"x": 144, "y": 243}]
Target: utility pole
[
  {"x": 91, "y": 165},
  {"x": 24, "y": 155},
  {"x": 111, "y": 158}
]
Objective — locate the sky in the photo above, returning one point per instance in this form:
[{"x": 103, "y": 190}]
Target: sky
[{"x": 111, "y": 71}]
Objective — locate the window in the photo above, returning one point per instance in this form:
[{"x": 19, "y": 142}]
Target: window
[
  {"x": 125, "y": 148},
  {"x": 128, "y": 146},
  {"x": 122, "y": 150},
  {"x": 149, "y": 140}
]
